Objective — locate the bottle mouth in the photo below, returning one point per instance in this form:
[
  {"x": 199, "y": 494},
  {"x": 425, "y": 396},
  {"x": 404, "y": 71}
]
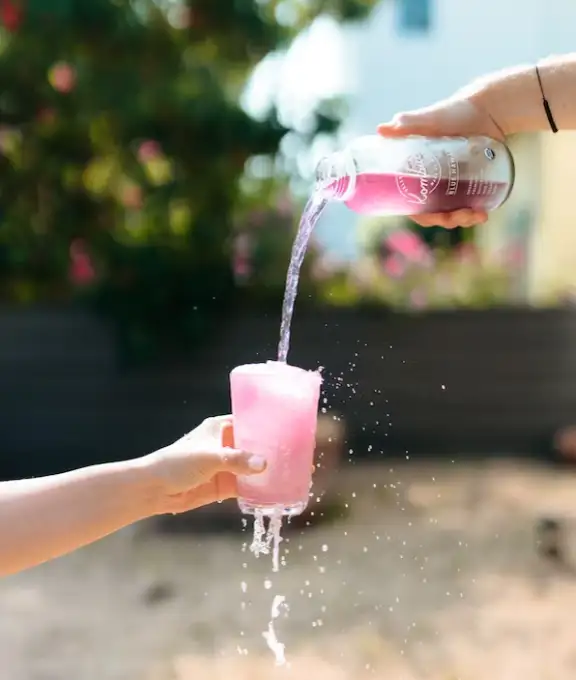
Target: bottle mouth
[{"x": 335, "y": 178}]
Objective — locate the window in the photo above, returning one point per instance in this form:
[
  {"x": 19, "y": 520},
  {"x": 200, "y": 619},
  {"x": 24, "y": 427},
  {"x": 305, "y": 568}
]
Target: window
[{"x": 414, "y": 16}]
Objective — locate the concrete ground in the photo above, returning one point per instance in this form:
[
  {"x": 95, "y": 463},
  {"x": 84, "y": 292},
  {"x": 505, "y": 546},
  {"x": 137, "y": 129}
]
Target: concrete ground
[{"x": 432, "y": 575}]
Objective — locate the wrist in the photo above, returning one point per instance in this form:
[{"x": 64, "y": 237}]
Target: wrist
[
  {"x": 513, "y": 100},
  {"x": 144, "y": 485}
]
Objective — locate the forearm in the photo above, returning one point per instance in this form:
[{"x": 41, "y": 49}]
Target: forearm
[
  {"x": 47, "y": 517},
  {"x": 514, "y": 100}
]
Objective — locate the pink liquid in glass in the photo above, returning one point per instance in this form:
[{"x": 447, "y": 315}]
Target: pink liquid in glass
[
  {"x": 405, "y": 194},
  {"x": 275, "y": 409}
]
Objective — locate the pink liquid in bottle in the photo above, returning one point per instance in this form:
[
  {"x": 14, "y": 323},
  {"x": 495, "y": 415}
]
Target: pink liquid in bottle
[
  {"x": 275, "y": 409},
  {"x": 407, "y": 194},
  {"x": 413, "y": 175}
]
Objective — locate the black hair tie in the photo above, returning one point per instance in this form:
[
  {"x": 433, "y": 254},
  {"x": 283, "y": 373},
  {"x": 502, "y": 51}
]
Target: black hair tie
[{"x": 545, "y": 104}]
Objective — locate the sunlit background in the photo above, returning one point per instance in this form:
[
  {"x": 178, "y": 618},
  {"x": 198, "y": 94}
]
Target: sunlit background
[{"x": 155, "y": 158}]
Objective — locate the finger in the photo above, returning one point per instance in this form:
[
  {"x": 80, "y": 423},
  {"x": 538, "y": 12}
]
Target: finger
[
  {"x": 451, "y": 220},
  {"x": 391, "y": 130},
  {"x": 442, "y": 118},
  {"x": 402, "y": 127},
  {"x": 405, "y": 124},
  {"x": 460, "y": 218},
  {"x": 430, "y": 219},
  {"x": 226, "y": 486},
  {"x": 241, "y": 462},
  {"x": 221, "y": 488},
  {"x": 227, "y": 439},
  {"x": 218, "y": 421},
  {"x": 212, "y": 427},
  {"x": 480, "y": 216},
  {"x": 464, "y": 218}
]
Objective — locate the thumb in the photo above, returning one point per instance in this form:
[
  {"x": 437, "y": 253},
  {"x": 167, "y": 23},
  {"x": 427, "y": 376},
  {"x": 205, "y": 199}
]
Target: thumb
[{"x": 241, "y": 462}]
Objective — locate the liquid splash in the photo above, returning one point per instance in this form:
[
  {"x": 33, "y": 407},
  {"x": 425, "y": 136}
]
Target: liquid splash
[
  {"x": 276, "y": 647},
  {"x": 267, "y": 539}
]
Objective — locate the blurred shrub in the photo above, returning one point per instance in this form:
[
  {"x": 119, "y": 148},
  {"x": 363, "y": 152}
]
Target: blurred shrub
[
  {"x": 122, "y": 150},
  {"x": 262, "y": 247},
  {"x": 399, "y": 269}
]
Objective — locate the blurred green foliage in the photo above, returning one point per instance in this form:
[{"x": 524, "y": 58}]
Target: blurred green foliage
[
  {"x": 264, "y": 239},
  {"x": 123, "y": 148}
]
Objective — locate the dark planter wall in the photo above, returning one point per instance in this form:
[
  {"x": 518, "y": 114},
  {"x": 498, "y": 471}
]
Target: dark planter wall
[
  {"x": 496, "y": 382},
  {"x": 468, "y": 382}
]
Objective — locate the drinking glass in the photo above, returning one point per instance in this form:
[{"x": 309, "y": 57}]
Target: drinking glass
[{"x": 275, "y": 408}]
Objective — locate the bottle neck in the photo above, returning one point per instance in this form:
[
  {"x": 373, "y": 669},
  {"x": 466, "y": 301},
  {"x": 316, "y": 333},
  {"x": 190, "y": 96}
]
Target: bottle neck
[{"x": 336, "y": 176}]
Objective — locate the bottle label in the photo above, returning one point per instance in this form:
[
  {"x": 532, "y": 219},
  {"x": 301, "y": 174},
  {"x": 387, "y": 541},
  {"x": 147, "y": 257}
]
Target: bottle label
[
  {"x": 429, "y": 176},
  {"x": 422, "y": 176}
]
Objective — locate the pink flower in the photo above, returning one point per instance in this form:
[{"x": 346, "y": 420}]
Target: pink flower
[
  {"x": 11, "y": 14},
  {"x": 445, "y": 284},
  {"x": 62, "y": 77},
  {"x": 47, "y": 116},
  {"x": 257, "y": 218},
  {"x": 284, "y": 205},
  {"x": 467, "y": 253},
  {"x": 395, "y": 266},
  {"x": 242, "y": 268},
  {"x": 409, "y": 245},
  {"x": 242, "y": 257},
  {"x": 568, "y": 297},
  {"x": 243, "y": 245},
  {"x": 418, "y": 299},
  {"x": 149, "y": 150},
  {"x": 324, "y": 267},
  {"x": 515, "y": 255},
  {"x": 180, "y": 17},
  {"x": 132, "y": 197},
  {"x": 81, "y": 270}
]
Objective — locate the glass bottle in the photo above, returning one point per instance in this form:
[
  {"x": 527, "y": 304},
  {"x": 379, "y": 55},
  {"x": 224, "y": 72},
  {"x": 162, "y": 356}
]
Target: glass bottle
[{"x": 376, "y": 175}]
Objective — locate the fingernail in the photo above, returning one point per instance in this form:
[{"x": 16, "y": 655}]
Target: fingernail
[{"x": 257, "y": 463}]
